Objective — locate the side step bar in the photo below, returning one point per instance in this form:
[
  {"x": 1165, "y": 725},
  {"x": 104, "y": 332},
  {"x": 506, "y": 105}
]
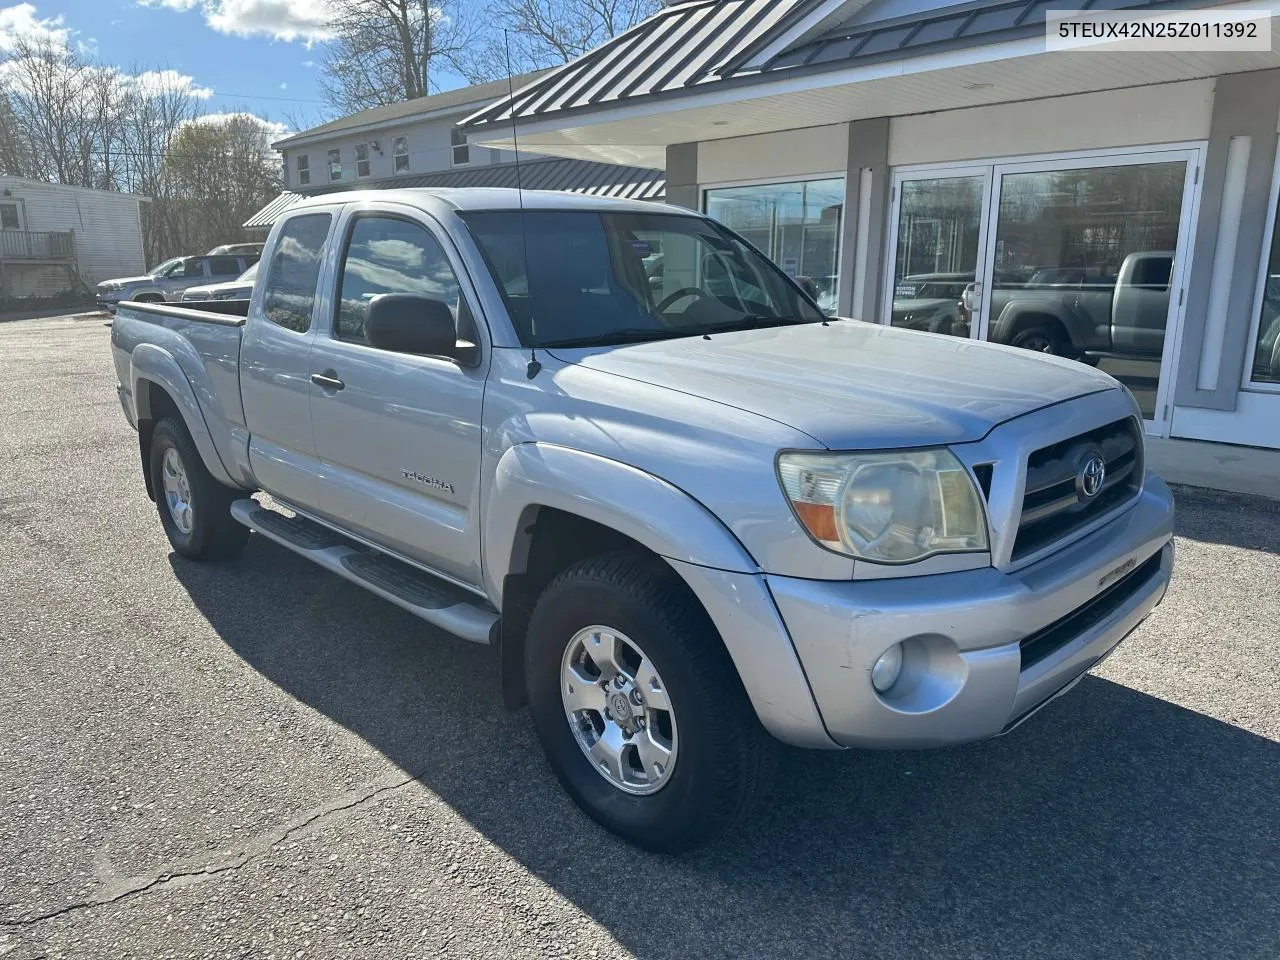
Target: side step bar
[{"x": 429, "y": 598}]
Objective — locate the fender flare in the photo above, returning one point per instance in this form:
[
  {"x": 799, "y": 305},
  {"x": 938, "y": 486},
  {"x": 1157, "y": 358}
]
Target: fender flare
[
  {"x": 636, "y": 504},
  {"x": 1004, "y": 325},
  {"x": 151, "y": 364}
]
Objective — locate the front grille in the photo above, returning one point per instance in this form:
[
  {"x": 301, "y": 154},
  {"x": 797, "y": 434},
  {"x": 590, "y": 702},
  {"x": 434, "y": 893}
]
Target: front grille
[
  {"x": 1044, "y": 642},
  {"x": 1053, "y": 507}
]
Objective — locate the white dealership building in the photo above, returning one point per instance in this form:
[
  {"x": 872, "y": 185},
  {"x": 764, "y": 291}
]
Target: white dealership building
[{"x": 939, "y": 167}]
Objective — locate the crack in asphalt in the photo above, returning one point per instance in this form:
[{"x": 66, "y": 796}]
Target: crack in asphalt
[{"x": 251, "y": 850}]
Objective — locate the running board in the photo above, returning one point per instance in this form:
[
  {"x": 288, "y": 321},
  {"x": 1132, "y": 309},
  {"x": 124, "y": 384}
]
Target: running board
[{"x": 429, "y": 598}]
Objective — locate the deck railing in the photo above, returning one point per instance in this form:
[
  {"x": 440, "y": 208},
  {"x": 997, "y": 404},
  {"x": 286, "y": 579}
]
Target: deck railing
[{"x": 37, "y": 245}]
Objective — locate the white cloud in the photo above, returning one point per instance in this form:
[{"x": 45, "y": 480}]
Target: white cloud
[
  {"x": 21, "y": 23},
  {"x": 270, "y": 127},
  {"x": 306, "y": 20},
  {"x": 308, "y": 64},
  {"x": 179, "y": 5},
  {"x": 152, "y": 82},
  {"x": 87, "y": 47}
]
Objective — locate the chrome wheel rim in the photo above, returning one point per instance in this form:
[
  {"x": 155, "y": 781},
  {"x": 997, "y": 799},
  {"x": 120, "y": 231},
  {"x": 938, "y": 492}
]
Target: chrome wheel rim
[
  {"x": 177, "y": 491},
  {"x": 618, "y": 710}
]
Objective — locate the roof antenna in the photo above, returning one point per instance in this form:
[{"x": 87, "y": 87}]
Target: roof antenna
[{"x": 534, "y": 365}]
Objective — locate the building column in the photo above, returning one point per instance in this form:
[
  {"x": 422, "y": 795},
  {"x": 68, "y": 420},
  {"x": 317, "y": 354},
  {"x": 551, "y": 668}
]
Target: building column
[
  {"x": 1227, "y": 245},
  {"x": 866, "y": 209},
  {"x": 682, "y": 175}
]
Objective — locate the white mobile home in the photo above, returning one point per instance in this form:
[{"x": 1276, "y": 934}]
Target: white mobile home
[{"x": 56, "y": 239}]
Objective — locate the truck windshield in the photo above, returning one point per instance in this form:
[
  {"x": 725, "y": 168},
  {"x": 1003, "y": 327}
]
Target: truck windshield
[{"x": 587, "y": 278}]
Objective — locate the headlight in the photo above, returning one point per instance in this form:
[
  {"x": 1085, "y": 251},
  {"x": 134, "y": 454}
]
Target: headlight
[{"x": 893, "y": 507}]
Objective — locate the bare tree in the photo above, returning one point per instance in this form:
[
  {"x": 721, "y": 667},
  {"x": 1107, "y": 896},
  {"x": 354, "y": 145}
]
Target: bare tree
[
  {"x": 217, "y": 173},
  {"x": 385, "y": 51},
  {"x": 546, "y": 33}
]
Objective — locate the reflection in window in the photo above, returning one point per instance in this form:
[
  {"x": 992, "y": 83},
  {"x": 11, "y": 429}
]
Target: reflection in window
[
  {"x": 797, "y": 225},
  {"x": 400, "y": 147},
  {"x": 939, "y": 229},
  {"x": 390, "y": 256},
  {"x": 362, "y": 160},
  {"x": 304, "y": 170},
  {"x": 1082, "y": 265},
  {"x": 1266, "y": 345},
  {"x": 295, "y": 269},
  {"x": 335, "y": 164}
]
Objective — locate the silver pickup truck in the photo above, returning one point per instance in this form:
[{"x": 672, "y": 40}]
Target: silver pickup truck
[{"x": 695, "y": 515}]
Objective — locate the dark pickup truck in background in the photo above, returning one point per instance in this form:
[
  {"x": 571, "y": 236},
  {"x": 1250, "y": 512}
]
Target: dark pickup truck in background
[{"x": 1082, "y": 312}]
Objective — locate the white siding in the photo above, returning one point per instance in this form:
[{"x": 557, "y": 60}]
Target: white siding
[
  {"x": 429, "y": 150},
  {"x": 1170, "y": 113},
  {"x": 107, "y": 227},
  {"x": 786, "y": 155}
]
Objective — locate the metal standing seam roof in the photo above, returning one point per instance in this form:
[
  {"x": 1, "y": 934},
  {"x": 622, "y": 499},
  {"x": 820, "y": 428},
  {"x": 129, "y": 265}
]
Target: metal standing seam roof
[
  {"x": 685, "y": 46},
  {"x": 964, "y": 25},
  {"x": 678, "y": 47},
  {"x": 544, "y": 173}
]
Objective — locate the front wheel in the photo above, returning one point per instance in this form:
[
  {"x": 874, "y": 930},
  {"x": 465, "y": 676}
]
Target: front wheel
[
  {"x": 638, "y": 706},
  {"x": 195, "y": 509}
]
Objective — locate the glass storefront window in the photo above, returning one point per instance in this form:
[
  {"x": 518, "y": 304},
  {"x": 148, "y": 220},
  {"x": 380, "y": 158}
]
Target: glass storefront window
[
  {"x": 1082, "y": 262},
  {"x": 797, "y": 225},
  {"x": 1266, "y": 346},
  {"x": 939, "y": 235}
]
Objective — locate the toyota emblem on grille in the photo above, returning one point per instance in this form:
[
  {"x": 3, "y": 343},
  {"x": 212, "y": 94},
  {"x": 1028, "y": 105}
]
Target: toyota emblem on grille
[{"x": 1090, "y": 476}]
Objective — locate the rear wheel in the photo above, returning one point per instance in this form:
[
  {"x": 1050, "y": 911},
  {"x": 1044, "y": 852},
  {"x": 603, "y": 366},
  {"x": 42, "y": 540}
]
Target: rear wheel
[
  {"x": 638, "y": 706},
  {"x": 1042, "y": 338},
  {"x": 195, "y": 509}
]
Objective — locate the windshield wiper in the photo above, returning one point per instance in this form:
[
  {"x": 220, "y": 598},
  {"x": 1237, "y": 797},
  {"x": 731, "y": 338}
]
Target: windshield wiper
[
  {"x": 752, "y": 321},
  {"x": 614, "y": 337}
]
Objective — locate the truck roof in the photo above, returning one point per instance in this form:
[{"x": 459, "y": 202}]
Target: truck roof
[{"x": 489, "y": 198}]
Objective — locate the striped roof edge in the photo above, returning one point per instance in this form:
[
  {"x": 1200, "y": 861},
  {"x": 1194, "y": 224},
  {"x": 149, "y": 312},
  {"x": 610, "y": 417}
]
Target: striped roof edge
[
  {"x": 545, "y": 173},
  {"x": 685, "y": 47},
  {"x": 678, "y": 47}
]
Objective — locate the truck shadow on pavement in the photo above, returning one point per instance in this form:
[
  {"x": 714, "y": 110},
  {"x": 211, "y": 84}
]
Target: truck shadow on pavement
[{"x": 1114, "y": 824}]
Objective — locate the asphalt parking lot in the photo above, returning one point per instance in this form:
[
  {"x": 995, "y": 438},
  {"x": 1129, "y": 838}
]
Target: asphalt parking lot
[{"x": 257, "y": 759}]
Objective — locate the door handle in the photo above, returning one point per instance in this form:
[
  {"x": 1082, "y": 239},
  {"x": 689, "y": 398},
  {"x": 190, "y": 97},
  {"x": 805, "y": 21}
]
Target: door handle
[{"x": 327, "y": 380}]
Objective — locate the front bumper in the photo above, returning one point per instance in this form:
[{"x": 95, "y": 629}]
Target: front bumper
[{"x": 984, "y": 649}]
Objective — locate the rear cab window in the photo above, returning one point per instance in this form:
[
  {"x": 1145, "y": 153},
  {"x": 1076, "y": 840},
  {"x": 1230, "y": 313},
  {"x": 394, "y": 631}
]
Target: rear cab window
[{"x": 294, "y": 271}]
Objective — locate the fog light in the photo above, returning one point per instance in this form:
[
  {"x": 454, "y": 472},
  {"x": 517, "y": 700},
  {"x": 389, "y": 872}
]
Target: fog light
[{"x": 886, "y": 670}]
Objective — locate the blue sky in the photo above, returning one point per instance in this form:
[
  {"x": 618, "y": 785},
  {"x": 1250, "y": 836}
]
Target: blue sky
[{"x": 260, "y": 55}]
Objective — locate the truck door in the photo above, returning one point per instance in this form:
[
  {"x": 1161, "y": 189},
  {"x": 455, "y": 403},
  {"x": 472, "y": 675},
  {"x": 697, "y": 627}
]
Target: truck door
[
  {"x": 1140, "y": 307},
  {"x": 399, "y": 434},
  {"x": 274, "y": 361}
]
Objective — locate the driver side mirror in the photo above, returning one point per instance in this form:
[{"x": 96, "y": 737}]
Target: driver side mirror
[{"x": 407, "y": 323}]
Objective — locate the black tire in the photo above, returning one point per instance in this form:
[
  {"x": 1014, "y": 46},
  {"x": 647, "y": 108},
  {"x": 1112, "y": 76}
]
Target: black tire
[
  {"x": 725, "y": 757},
  {"x": 213, "y": 534},
  {"x": 1042, "y": 338}
]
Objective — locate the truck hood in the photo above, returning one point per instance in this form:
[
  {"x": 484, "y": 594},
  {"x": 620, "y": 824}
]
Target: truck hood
[
  {"x": 130, "y": 281},
  {"x": 853, "y": 385}
]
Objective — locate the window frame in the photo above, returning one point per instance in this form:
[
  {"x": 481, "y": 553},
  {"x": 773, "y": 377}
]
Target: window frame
[
  {"x": 458, "y": 138},
  {"x": 16, "y": 205},
  {"x": 368, "y": 165},
  {"x": 460, "y": 275},
  {"x": 1247, "y": 383},
  {"x": 302, "y": 167},
  {"x": 335, "y": 165},
  {"x": 260, "y": 297},
  {"x": 399, "y": 154}
]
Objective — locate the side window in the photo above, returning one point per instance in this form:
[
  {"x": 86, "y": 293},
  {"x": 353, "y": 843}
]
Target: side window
[
  {"x": 295, "y": 270},
  {"x": 224, "y": 266},
  {"x": 193, "y": 268},
  {"x": 386, "y": 255},
  {"x": 335, "y": 165}
]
